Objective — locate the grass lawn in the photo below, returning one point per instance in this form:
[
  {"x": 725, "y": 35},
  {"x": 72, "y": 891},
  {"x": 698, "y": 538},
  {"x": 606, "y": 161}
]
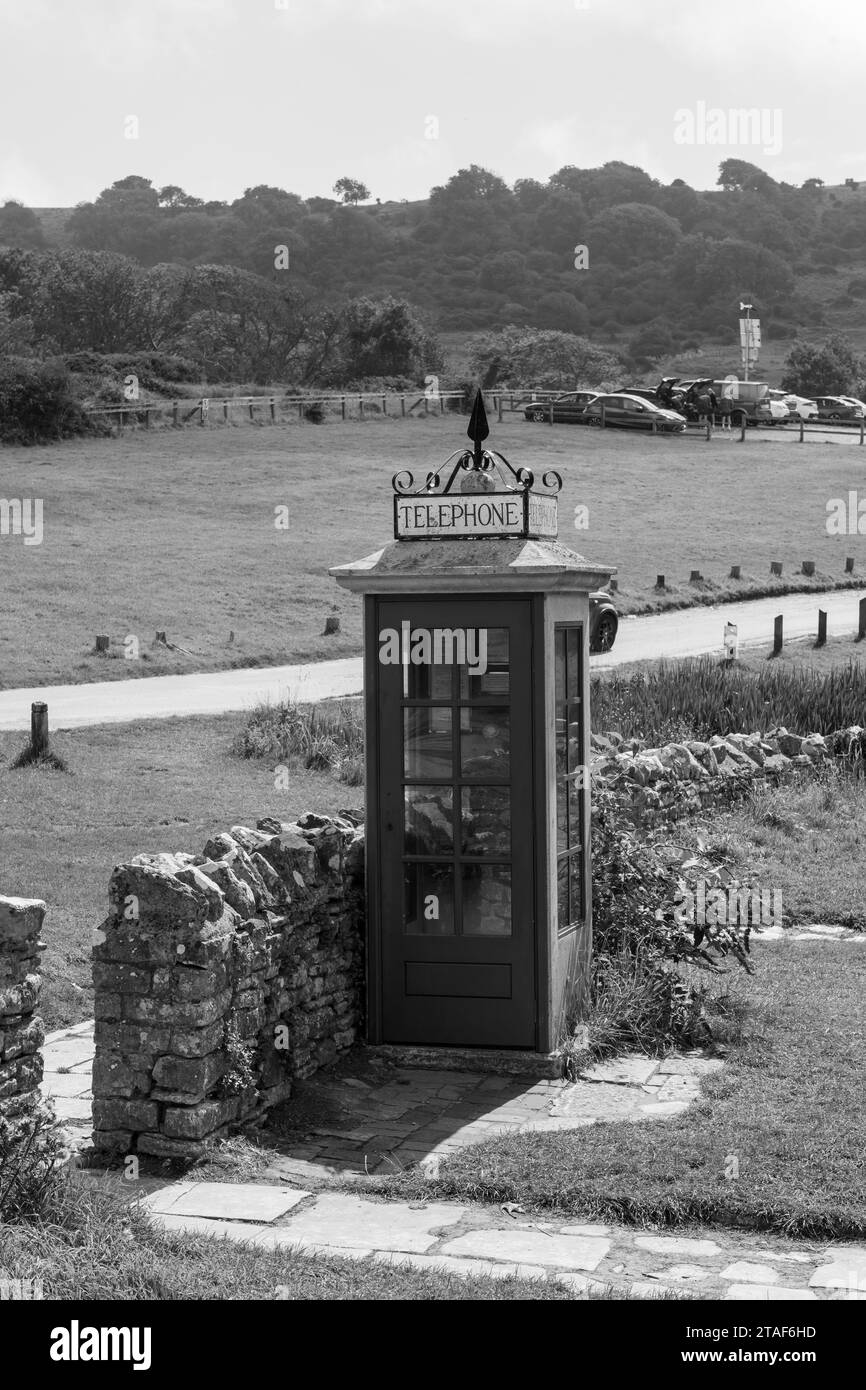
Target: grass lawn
[
  {"x": 175, "y": 530},
  {"x": 787, "y": 1109},
  {"x": 807, "y": 841},
  {"x": 158, "y": 785}
]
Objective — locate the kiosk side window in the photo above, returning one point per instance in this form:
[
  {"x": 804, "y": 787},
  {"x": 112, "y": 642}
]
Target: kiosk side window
[{"x": 570, "y": 773}]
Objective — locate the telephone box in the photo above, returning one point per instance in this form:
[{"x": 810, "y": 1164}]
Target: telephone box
[{"x": 476, "y": 668}]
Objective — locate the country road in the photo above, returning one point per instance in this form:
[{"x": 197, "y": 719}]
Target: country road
[{"x": 678, "y": 633}]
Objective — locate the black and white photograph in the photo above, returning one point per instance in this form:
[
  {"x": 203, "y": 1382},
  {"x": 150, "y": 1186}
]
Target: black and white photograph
[{"x": 432, "y": 676}]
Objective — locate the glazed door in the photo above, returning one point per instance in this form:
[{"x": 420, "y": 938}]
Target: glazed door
[{"x": 456, "y": 822}]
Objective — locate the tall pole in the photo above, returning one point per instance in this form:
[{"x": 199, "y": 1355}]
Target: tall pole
[{"x": 748, "y": 339}]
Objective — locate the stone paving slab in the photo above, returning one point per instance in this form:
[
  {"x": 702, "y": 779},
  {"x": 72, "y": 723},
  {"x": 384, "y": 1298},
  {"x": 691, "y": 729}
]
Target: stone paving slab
[
  {"x": 225, "y": 1201},
  {"x": 66, "y": 1084},
  {"x": 532, "y": 1246},
  {"x": 337, "y": 1219}
]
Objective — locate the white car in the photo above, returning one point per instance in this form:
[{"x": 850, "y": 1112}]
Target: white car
[
  {"x": 800, "y": 407},
  {"x": 852, "y": 400}
]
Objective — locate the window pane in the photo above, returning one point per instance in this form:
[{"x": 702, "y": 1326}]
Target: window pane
[
  {"x": 575, "y": 873},
  {"x": 427, "y": 742},
  {"x": 486, "y": 900},
  {"x": 575, "y": 785},
  {"x": 429, "y": 823},
  {"x": 575, "y": 748},
  {"x": 484, "y": 742},
  {"x": 492, "y": 650},
  {"x": 486, "y": 820},
  {"x": 562, "y": 892},
  {"x": 559, "y": 665},
  {"x": 424, "y": 679},
  {"x": 429, "y": 899},
  {"x": 573, "y": 643}
]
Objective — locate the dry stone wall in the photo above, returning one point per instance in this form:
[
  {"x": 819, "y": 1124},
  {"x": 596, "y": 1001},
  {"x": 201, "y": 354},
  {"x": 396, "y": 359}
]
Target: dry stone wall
[
  {"x": 681, "y": 779},
  {"x": 222, "y": 977},
  {"x": 21, "y": 1031}
]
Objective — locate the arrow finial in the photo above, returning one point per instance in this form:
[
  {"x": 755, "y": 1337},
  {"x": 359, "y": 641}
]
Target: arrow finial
[{"x": 478, "y": 427}]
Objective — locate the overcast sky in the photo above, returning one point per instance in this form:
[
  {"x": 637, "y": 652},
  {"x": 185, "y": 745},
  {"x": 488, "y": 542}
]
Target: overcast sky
[{"x": 297, "y": 93}]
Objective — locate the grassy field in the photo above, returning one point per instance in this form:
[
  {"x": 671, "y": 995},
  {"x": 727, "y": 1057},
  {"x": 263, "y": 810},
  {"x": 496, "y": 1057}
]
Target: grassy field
[
  {"x": 795, "y": 655},
  {"x": 175, "y": 530},
  {"x": 786, "y": 1107},
  {"x": 161, "y": 785}
]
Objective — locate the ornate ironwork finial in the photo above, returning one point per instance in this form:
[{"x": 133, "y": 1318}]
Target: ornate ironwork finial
[
  {"x": 479, "y": 462},
  {"x": 478, "y": 429}
]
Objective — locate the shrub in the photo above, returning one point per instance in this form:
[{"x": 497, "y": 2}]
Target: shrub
[
  {"x": 38, "y": 405},
  {"x": 32, "y": 1161},
  {"x": 322, "y": 738}
]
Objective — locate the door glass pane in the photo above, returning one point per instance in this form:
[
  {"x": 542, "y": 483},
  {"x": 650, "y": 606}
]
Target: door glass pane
[
  {"x": 429, "y": 899},
  {"x": 486, "y": 900},
  {"x": 427, "y": 742},
  {"x": 486, "y": 820},
  {"x": 492, "y": 651},
  {"x": 426, "y": 681},
  {"x": 429, "y": 821},
  {"x": 484, "y": 742}
]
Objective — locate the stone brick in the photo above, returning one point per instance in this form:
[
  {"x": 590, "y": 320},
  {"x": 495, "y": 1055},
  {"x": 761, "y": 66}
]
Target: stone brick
[
  {"x": 20, "y": 920},
  {"x": 116, "y": 978},
  {"x": 198, "y": 1121},
  {"x": 191, "y": 1075},
  {"x": 110, "y": 1113},
  {"x": 197, "y": 982},
  {"x": 188, "y": 1014},
  {"x": 21, "y": 1039},
  {"x": 107, "y": 1007},
  {"x": 113, "y": 1141},
  {"x": 163, "y": 903},
  {"x": 162, "y": 1147},
  {"x": 20, "y": 999},
  {"x": 197, "y": 1042}
]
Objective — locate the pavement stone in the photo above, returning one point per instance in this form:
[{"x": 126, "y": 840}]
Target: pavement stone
[
  {"x": 225, "y": 1201},
  {"x": 676, "y": 1245},
  {"x": 768, "y": 1293},
  {"x": 337, "y": 1219},
  {"x": 531, "y": 1246},
  {"x": 743, "y": 1271}
]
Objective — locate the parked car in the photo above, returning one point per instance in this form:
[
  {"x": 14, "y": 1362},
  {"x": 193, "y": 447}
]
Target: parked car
[
  {"x": 646, "y": 393},
  {"x": 632, "y": 413},
  {"x": 603, "y": 621},
  {"x": 567, "y": 410},
  {"x": 852, "y": 400},
  {"x": 835, "y": 408},
  {"x": 799, "y": 407}
]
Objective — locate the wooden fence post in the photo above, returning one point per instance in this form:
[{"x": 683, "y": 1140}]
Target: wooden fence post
[
  {"x": 101, "y": 643},
  {"x": 849, "y": 564},
  {"x": 360, "y": 407},
  {"x": 252, "y": 408},
  {"x": 861, "y": 630},
  {"x": 273, "y": 406},
  {"x": 822, "y": 628},
  {"x": 777, "y": 635},
  {"x": 343, "y": 408},
  {"x": 735, "y": 572},
  {"x": 802, "y": 430},
  {"x": 384, "y": 405},
  {"x": 402, "y": 407},
  {"x": 174, "y": 410},
  {"x": 39, "y": 742}
]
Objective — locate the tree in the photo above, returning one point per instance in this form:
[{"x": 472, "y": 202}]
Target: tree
[
  {"x": 738, "y": 175},
  {"x": 813, "y": 185},
  {"x": 633, "y": 234},
  {"x": 173, "y": 196},
  {"x": 385, "y": 337},
  {"x": 351, "y": 191},
  {"x": 19, "y": 226},
  {"x": 829, "y": 370},
  {"x": 543, "y": 358}
]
